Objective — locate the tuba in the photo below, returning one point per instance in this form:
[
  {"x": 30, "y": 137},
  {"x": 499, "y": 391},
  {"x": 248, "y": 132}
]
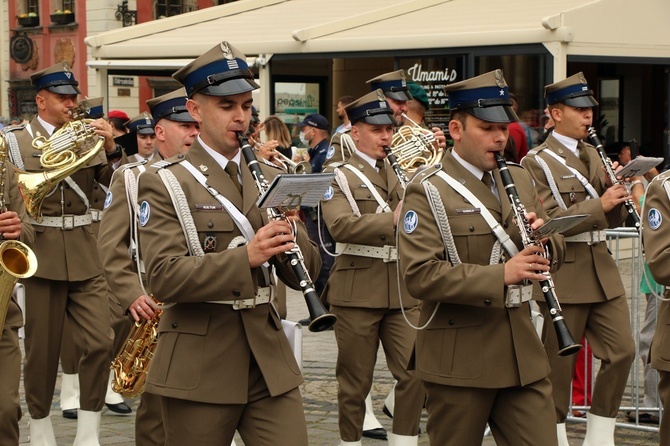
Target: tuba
[
  {"x": 131, "y": 365},
  {"x": 66, "y": 151},
  {"x": 17, "y": 260},
  {"x": 414, "y": 147}
]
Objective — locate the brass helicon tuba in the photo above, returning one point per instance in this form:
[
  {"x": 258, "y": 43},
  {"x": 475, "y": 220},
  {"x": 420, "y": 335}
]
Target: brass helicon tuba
[
  {"x": 17, "y": 260},
  {"x": 66, "y": 151},
  {"x": 415, "y": 147}
]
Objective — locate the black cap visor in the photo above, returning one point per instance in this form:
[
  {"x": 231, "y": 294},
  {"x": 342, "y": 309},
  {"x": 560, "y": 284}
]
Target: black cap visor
[
  {"x": 184, "y": 116},
  {"x": 496, "y": 113},
  {"x": 398, "y": 95},
  {"x": 581, "y": 101},
  {"x": 379, "y": 119},
  {"x": 230, "y": 87},
  {"x": 146, "y": 131},
  {"x": 63, "y": 89}
]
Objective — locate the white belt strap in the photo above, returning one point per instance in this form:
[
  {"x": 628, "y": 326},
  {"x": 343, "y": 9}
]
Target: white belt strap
[
  {"x": 591, "y": 237},
  {"x": 77, "y": 190},
  {"x": 589, "y": 188},
  {"x": 65, "y": 222},
  {"x": 497, "y": 229},
  {"x": 387, "y": 253},
  {"x": 373, "y": 190},
  {"x": 265, "y": 295}
]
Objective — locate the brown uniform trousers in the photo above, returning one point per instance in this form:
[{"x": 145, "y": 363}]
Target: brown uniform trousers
[
  {"x": 10, "y": 351},
  {"x": 68, "y": 282},
  {"x": 363, "y": 293},
  {"x": 217, "y": 369},
  {"x": 480, "y": 361},
  {"x": 655, "y": 224},
  {"x": 124, "y": 287},
  {"x": 588, "y": 284}
]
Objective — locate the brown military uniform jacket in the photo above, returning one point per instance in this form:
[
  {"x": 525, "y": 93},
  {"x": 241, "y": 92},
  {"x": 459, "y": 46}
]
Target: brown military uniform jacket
[
  {"x": 334, "y": 154},
  {"x": 589, "y": 273},
  {"x": 357, "y": 281},
  {"x": 656, "y": 236},
  {"x": 473, "y": 340},
  {"x": 114, "y": 241},
  {"x": 69, "y": 255},
  {"x": 205, "y": 349}
]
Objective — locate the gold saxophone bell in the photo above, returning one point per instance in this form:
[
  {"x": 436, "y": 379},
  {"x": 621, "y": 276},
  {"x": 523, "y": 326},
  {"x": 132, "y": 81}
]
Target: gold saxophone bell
[
  {"x": 415, "y": 147},
  {"x": 17, "y": 261},
  {"x": 66, "y": 151}
]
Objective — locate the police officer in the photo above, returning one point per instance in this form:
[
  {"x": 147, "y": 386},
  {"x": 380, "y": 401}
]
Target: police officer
[
  {"x": 361, "y": 213},
  {"x": 222, "y": 362},
  {"x": 14, "y": 225},
  {"x": 175, "y": 131},
  {"x": 655, "y": 218},
  {"x": 314, "y": 133},
  {"x": 479, "y": 356},
  {"x": 69, "y": 277},
  {"x": 592, "y": 294}
]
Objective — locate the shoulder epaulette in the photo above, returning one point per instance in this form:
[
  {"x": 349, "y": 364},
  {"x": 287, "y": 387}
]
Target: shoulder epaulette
[
  {"x": 160, "y": 164},
  {"x": 130, "y": 165},
  {"x": 512, "y": 163},
  {"x": 13, "y": 128},
  {"x": 426, "y": 172},
  {"x": 663, "y": 176}
]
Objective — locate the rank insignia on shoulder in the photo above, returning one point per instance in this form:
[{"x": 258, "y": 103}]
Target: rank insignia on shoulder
[
  {"x": 410, "y": 221},
  {"x": 108, "y": 199},
  {"x": 145, "y": 211},
  {"x": 655, "y": 218}
]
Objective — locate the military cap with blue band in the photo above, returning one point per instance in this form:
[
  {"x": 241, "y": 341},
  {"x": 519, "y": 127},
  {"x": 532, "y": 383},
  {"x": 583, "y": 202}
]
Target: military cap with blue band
[
  {"x": 221, "y": 71},
  {"x": 372, "y": 109},
  {"x": 485, "y": 97},
  {"x": 393, "y": 85},
  {"x": 94, "y": 107},
  {"x": 57, "y": 79},
  {"x": 142, "y": 124},
  {"x": 573, "y": 91},
  {"x": 171, "y": 106}
]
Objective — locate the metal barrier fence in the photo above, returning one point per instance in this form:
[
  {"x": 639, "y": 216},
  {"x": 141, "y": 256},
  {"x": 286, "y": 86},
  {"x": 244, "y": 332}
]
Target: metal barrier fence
[{"x": 626, "y": 248}]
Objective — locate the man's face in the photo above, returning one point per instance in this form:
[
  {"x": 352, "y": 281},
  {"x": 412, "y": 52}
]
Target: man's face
[
  {"x": 477, "y": 141},
  {"x": 371, "y": 139},
  {"x": 624, "y": 156},
  {"x": 146, "y": 144},
  {"x": 341, "y": 114},
  {"x": 174, "y": 137},
  {"x": 220, "y": 119},
  {"x": 398, "y": 107},
  {"x": 54, "y": 108},
  {"x": 572, "y": 121}
]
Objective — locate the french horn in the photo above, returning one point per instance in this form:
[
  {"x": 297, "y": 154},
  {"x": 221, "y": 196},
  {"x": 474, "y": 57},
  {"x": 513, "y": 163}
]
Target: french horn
[{"x": 415, "y": 147}]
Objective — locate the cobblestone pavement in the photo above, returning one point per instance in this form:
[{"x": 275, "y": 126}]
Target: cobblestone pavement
[{"x": 320, "y": 401}]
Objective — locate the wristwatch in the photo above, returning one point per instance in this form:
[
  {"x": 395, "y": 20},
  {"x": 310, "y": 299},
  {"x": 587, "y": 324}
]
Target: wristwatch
[{"x": 118, "y": 151}]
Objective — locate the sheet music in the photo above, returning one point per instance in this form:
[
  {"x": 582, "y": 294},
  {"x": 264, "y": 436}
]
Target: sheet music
[
  {"x": 292, "y": 191},
  {"x": 638, "y": 166}
]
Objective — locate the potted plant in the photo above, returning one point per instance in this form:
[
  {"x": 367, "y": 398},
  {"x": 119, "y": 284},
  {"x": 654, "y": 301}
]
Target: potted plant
[
  {"x": 27, "y": 20},
  {"x": 62, "y": 17}
]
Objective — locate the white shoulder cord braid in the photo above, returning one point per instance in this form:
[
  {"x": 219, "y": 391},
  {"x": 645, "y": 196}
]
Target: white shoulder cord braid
[
  {"x": 14, "y": 151},
  {"x": 383, "y": 205},
  {"x": 589, "y": 188},
  {"x": 347, "y": 144},
  {"x": 551, "y": 182}
]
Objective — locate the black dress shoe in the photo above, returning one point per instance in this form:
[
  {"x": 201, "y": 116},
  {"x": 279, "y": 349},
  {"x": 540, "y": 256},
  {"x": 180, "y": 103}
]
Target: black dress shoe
[
  {"x": 70, "y": 414},
  {"x": 378, "y": 434},
  {"x": 121, "y": 408}
]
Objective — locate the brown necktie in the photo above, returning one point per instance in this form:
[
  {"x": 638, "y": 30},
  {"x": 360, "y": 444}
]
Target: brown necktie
[
  {"x": 488, "y": 180},
  {"x": 380, "y": 165},
  {"x": 583, "y": 155},
  {"x": 231, "y": 169}
]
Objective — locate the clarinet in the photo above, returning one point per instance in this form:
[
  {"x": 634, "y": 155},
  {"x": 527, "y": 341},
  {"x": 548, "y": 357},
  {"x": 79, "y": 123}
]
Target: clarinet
[
  {"x": 630, "y": 206},
  {"x": 566, "y": 344},
  {"x": 321, "y": 319},
  {"x": 402, "y": 178}
]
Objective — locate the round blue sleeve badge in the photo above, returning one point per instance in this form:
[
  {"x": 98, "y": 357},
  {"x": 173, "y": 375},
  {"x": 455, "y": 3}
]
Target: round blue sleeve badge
[
  {"x": 329, "y": 193},
  {"x": 655, "y": 218},
  {"x": 410, "y": 222},
  {"x": 331, "y": 152},
  {"x": 108, "y": 199},
  {"x": 145, "y": 210}
]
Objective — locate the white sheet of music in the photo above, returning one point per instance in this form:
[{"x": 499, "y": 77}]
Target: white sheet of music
[
  {"x": 639, "y": 166},
  {"x": 292, "y": 191}
]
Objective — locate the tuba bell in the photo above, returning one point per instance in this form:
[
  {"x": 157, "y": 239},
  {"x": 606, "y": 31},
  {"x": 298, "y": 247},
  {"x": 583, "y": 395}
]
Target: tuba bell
[
  {"x": 415, "y": 147},
  {"x": 66, "y": 151}
]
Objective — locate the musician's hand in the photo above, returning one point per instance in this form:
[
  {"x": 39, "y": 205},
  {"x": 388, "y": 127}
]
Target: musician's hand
[
  {"x": 267, "y": 149},
  {"x": 10, "y": 225},
  {"x": 613, "y": 196},
  {"x": 270, "y": 240},
  {"x": 440, "y": 138},
  {"x": 525, "y": 264},
  {"x": 143, "y": 308},
  {"x": 291, "y": 215},
  {"x": 396, "y": 213},
  {"x": 104, "y": 130}
]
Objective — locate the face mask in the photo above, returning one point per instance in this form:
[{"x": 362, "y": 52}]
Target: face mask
[{"x": 303, "y": 138}]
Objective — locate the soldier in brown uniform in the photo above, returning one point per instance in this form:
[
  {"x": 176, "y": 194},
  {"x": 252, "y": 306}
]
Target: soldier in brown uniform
[
  {"x": 478, "y": 355},
  {"x": 222, "y": 362},
  {"x": 361, "y": 212},
  {"x": 69, "y": 278},
  {"x": 175, "y": 131},
  {"x": 14, "y": 225},
  {"x": 655, "y": 218},
  {"x": 589, "y": 285}
]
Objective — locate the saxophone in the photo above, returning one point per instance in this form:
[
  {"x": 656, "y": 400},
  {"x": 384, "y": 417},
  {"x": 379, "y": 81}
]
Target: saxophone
[
  {"x": 131, "y": 365},
  {"x": 17, "y": 260}
]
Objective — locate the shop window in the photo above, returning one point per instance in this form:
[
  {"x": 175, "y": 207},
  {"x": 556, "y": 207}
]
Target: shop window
[
  {"x": 168, "y": 8},
  {"x": 29, "y": 7}
]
